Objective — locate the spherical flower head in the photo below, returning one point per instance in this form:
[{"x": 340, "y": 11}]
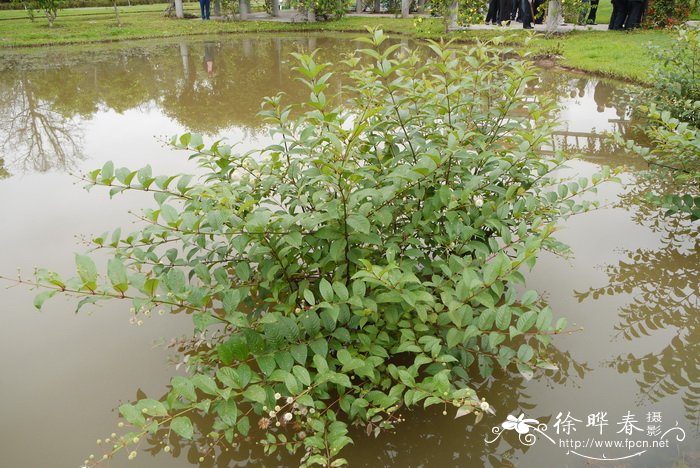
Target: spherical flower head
[
  {"x": 287, "y": 416},
  {"x": 478, "y": 202},
  {"x": 484, "y": 406},
  {"x": 290, "y": 400},
  {"x": 132, "y": 455},
  {"x": 264, "y": 423},
  {"x": 277, "y": 396}
]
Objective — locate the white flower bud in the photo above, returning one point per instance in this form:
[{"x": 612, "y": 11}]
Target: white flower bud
[{"x": 287, "y": 416}]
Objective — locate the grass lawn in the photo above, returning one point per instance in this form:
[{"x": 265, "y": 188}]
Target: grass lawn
[{"x": 613, "y": 53}]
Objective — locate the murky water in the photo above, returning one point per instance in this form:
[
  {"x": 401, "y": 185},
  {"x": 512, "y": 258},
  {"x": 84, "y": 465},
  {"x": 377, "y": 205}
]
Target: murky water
[{"x": 632, "y": 286}]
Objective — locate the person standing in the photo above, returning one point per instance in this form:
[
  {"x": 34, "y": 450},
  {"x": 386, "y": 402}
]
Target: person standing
[
  {"x": 619, "y": 14},
  {"x": 592, "y": 13},
  {"x": 204, "y": 6},
  {"x": 634, "y": 13},
  {"x": 526, "y": 7},
  {"x": 504, "y": 8},
  {"x": 492, "y": 14}
]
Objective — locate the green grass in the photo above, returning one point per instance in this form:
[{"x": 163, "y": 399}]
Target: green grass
[{"x": 618, "y": 54}]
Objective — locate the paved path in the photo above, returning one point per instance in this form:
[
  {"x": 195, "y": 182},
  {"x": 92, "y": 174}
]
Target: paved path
[{"x": 293, "y": 16}]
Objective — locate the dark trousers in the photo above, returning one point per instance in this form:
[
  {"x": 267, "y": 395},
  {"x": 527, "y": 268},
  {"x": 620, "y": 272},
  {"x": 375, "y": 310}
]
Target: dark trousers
[
  {"x": 526, "y": 8},
  {"x": 514, "y": 9},
  {"x": 204, "y": 6},
  {"x": 592, "y": 13},
  {"x": 492, "y": 14},
  {"x": 634, "y": 14},
  {"x": 504, "y": 7},
  {"x": 619, "y": 14}
]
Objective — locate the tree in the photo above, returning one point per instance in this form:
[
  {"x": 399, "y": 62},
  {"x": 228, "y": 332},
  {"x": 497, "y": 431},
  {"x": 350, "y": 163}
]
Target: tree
[{"x": 50, "y": 8}]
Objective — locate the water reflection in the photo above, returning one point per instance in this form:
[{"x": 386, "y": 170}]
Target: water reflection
[
  {"x": 420, "y": 441},
  {"x": 36, "y": 130},
  {"x": 215, "y": 86},
  {"x": 663, "y": 285}
]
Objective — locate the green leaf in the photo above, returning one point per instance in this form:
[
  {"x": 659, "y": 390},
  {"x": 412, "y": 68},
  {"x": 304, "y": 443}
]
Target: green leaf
[
  {"x": 152, "y": 407},
  {"x": 182, "y": 426},
  {"x": 266, "y": 363},
  {"x": 299, "y": 353},
  {"x": 359, "y": 223},
  {"x": 526, "y": 321},
  {"x": 132, "y": 415},
  {"x": 184, "y": 388},
  {"x": 302, "y": 375},
  {"x": 116, "y": 271},
  {"x": 86, "y": 270},
  {"x": 525, "y": 352},
  {"x": 40, "y": 298},
  {"x": 503, "y": 318},
  {"x": 341, "y": 291},
  {"x": 255, "y": 393},
  {"x": 205, "y": 384},
  {"x": 326, "y": 290}
]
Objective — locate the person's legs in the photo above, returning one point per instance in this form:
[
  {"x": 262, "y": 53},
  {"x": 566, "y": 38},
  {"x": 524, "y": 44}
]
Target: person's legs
[
  {"x": 526, "y": 8},
  {"x": 592, "y": 13},
  {"x": 504, "y": 10},
  {"x": 493, "y": 10}
]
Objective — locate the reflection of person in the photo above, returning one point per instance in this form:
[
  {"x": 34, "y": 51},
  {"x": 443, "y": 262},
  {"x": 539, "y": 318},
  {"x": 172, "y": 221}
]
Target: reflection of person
[
  {"x": 204, "y": 6},
  {"x": 209, "y": 56},
  {"x": 602, "y": 95}
]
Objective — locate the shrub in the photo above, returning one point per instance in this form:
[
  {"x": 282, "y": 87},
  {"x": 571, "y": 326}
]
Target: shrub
[
  {"x": 667, "y": 13},
  {"x": 673, "y": 112},
  {"x": 368, "y": 261}
]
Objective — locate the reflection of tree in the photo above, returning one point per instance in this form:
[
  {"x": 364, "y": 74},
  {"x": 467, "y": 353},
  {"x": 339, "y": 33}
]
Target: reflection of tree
[
  {"x": 3, "y": 171},
  {"x": 664, "y": 285},
  {"x": 41, "y": 137}
]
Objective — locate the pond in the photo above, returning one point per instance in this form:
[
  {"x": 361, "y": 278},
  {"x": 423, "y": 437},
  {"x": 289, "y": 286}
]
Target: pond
[{"x": 630, "y": 291}]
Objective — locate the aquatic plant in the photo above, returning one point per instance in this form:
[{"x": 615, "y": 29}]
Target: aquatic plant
[{"x": 367, "y": 262}]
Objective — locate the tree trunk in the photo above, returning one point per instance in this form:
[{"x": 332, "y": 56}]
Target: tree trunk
[
  {"x": 116, "y": 13},
  {"x": 554, "y": 16},
  {"x": 217, "y": 7},
  {"x": 359, "y": 6},
  {"x": 420, "y": 6},
  {"x": 377, "y": 6},
  {"x": 243, "y": 9},
  {"x": 452, "y": 16},
  {"x": 311, "y": 15},
  {"x": 275, "y": 7},
  {"x": 405, "y": 7},
  {"x": 179, "y": 10}
]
